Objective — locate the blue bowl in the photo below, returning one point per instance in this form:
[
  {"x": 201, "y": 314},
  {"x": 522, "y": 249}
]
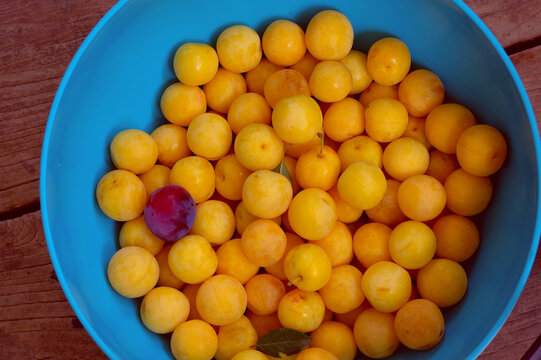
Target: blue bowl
[{"x": 115, "y": 82}]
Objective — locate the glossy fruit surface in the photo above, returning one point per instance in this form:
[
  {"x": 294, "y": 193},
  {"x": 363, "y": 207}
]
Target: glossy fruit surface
[{"x": 170, "y": 212}]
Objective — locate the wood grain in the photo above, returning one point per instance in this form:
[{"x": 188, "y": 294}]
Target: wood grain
[
  {"x": 523, "y": 325},
  {"x": 38, "y": 39},
  {"x": 36, "y": 320},
  {"x": 512, "y": 22}
]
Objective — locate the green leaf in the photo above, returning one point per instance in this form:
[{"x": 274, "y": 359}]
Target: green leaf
[
  {"x": 283, "y": 341},
  {"x": 282, "y": 169}
]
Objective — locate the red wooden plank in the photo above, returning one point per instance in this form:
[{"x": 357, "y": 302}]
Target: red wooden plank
[
  {"x": 38, "y": 41},
  {"x": 36, "y": 320},
  {"x": 512, "y": 22}
]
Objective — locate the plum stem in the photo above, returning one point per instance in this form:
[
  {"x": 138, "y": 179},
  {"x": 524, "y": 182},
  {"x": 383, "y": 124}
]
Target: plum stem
[
  {"x": 321, "y": 136},
  {"x": 294, "y": 281}
]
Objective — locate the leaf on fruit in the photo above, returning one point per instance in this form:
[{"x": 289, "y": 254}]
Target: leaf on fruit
[
  {"x": 283, "y": 341},
  {"x": 282, "y": 169}
]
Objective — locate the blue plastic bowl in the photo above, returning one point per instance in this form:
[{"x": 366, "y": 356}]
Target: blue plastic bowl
[{"x": 116, "y": 79}]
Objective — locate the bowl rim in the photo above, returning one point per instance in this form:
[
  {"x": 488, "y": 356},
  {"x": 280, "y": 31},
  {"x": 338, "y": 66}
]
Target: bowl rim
[{"x": 118, "y": 6}]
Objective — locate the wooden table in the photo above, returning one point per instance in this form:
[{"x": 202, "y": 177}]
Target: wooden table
[{"x": 37, "y": 40}]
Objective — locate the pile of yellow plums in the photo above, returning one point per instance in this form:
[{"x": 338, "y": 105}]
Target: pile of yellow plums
[{"x": 326, "y": 191}]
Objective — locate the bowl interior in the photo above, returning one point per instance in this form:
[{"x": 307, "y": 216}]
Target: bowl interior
[{"x": 115, "y": 83}]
